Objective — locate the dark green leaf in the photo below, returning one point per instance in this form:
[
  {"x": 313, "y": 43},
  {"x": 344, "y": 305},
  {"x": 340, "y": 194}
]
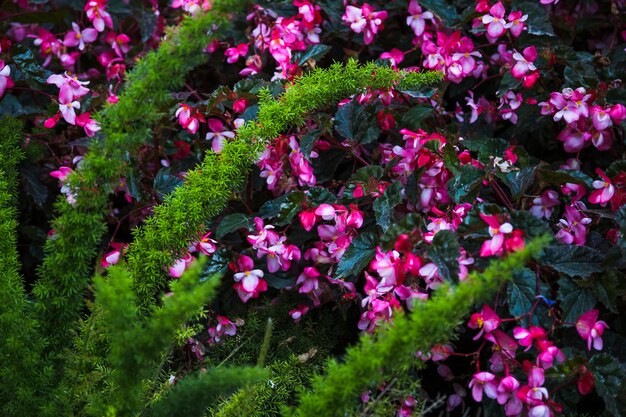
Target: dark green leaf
[
  {"x": 34, "y": 187},
  {"x": 165, "y": 183},
  {"x": 314, "y": 52},
  {"x": 444, "y": 252},
  {"x": 10, "y": 106},
  {"x": 319, "y": 195},
  {"x": 486, "y": 147},
  {"x": 538, "y": 22},
  {"x": 357, "y": 256},
  {"x": 575, "y": 299},
  {"x": 307, "y": 142},
  {"x": 507, "y": 83},
  {"x": 231, "y": 223},
  {"x": 466, "y": 185},
  {"x": 522, "y": 292},
  {"x": 283, "y": 208},
  {"x": 357, "y": 123},
  {"x": 413, "y": 118},
  {"x": 531, "y": 225},
  {"x": 217, "y": 263},
  {"x": 384, "y": 205},
  {"x": 609, "y": 377},
  {"x": 29, "y": 69},
  {"x": 520, "y": 181},
  {"x": 279, "y": 282},
  {"x": 444, "y": 11},
  {"x": 326, "y": 167},
  {"x": 557, "y": 178},
  {"x": 572, "y": 260},
  {"x": 607, "y": 287},
  {"x": 365, "y": 174}
]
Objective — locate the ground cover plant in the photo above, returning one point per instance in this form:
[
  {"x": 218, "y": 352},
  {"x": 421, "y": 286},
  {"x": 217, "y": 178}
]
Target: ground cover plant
[{"x": 312, "y": 208}]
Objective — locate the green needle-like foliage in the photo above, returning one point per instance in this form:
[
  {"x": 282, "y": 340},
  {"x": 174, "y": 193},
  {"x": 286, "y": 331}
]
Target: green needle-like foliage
[
  {"x": 21, "y": 367},
  {"x": 268, "y": 397},
  {"x": 194, "y": 394},
  {"x": 206, "y": 191},
  {"x": 126, "y": 126},
  {"x": 137, "y": 344},
  {"x": 435, "y": 321}
]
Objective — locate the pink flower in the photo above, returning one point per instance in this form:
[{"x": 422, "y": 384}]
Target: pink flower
[
  {"x": 218, "y": 135},
  {"x": 78, "y": 38},
  {"x": 507, "y": 390},
  {"x": 97, "y": 15},
  {"x": 417, "y": 19},
  {"x": 396, "y": 56},
  {"x": 497, "y": 231},
  {"x": 5, "y": 79},
  {"x": 113, "y": 257},
  {"x": 69, "y": 87},
  {"x": 249, "y": 282},
  {"x": 495, "y": 21},
  {"x": 62, "y": 173},
  {"x": 224, "y": 327},
  {"x": 86, "y": 122},
  {"x": 180, "y": 266},
  {"x": 605, "y": 190},
  {"x": 236, "y": 52},
  {"x": 543, "y": 206},
  {"x": 591, "y": 329},
  {"x": 573, "y": 228},
  {"x": 297, "y": 313},
  {"x": 206, "y": 245},
  {"x": 307, "y": 219},
  {"x": 364, "y": 19},
  {"x": 487, "y": 321},
  {"x": 516, "y": 23},
  {"x": 67, "y": 106},
  {"x": 524, "y": 63},
  {"x": 189, "y": 118},
  {"x": 600, "y": 117},
  {"x": 308, "y": 280},
  {"x": 483, "y": 382}
]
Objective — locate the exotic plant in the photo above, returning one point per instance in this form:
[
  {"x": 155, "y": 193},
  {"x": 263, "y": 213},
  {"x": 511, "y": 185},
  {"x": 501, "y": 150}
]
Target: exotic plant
[{"x": 312, "y": 208}]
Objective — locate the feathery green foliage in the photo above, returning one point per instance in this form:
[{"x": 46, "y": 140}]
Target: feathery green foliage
[
  {"x": 206, "y": 190},
  {"x": 138, "y": 345},
  {"x": 268, "y": 397},
  {"x": 195, "y": 393},
  {"x": 433, "y": 322},
  {"x": 21, "y": 368},
  {"x": 125, "y": 127}
]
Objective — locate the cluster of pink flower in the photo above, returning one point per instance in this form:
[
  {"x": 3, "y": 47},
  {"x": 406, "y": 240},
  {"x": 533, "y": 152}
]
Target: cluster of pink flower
[
  {"x": 586, "y": 123},
  {"x": 280, "y": 36},
  {"x": 500, "y": 382},
  {"x": 71, "y": 88},
  {"x": 273, "y": 164},
  {"x": 204, "y": 245},
  {"x": 192, "y": 6},
  {"x": 364, "y": 19}
]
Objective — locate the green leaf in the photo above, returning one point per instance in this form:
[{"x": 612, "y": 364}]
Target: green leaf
[
  {"x": 279, "y": 280},
  {"x": 522, "y": 292},
  {"x": 575, "y": 299},
  {"x": 165, "y": 183},
  {"x": 356, "y": 123},
  {"x": 538, "y": 22},
  {"x": 319, "y": 195},
  {"x": 557, "y": 178},
  {"x": 365, "y": 174},
  {"x": 216, "y": 264},
  {"x": 486, "y": 147},
  {"x": 357, "y": 256},
  {"x": 532, "y": 225},
  {"x": 28, "y": 66},
  {"x": 34, "y": 187},
  {"x": 384, "y": 205},
  {"x": 314, "y": 52},
  {"x": 607, "y": 287},
  {"x": 444, "y": 252},
  {"x": 414, "y": 118},
  {"x": 11, "y": 106},
  {"x": 609, "y": 382},
  {"x": 326, "y": 167},
  {"x": 466, "y": 185},
  {"x": 307, "y": 142},
  {"x": 508, "y": 82},
  {"x": 231, "y": 223},
  {"x": 283, "y": 208},
  {"x": 572, "y": 260},
  {"x": 520, "y": 181},
  {"x": 444, "y": 11}
]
